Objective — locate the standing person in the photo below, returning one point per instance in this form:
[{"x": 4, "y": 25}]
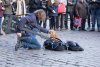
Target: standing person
[
  {"x": 53, "y": 14},
  {"x": 82, "y": 12},
  {"x": 61, "y": 15},
  {"x": 95, "y": 14},
  {"x": 70, "y": 11},
  {"x": 1, "y": 15},
  {"x": 8, "y": 14},
  {"x": 89, "y": 11}
]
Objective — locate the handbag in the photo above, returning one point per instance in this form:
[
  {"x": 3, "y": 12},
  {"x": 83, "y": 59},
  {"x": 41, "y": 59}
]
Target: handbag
[{"x": 61, "y": 8}]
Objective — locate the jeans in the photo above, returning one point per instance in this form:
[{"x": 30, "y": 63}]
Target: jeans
[
  {"x": 31, "y": 41},
  {"x": 95, "y": 17}
]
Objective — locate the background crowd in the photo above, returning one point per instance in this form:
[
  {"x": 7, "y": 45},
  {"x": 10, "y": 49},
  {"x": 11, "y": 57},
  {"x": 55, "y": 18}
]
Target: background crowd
[{"x": 58, "y": 12}]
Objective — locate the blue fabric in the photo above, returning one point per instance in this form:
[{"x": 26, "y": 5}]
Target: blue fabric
[
  {"x": 31, "y": 41},
  {"x": 31, "y": 21},
  {"x": 95, "y": 15}
]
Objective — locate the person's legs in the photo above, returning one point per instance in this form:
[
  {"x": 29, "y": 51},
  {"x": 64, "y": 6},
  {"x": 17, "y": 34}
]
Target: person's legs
[
  {"x": 57, "y": 23},
  {"x": 98, "y": 20},
  {"x": 88, "y": 21},
  {"x": 71, "y": 20},
  {"x": 93, "y": 18},
  {"x": 83, "y": 24},
  {"x": 62, "y": 21},
  {"x": 31, "y": 41},
  {"x": 66, "y": 21},
  {"x": 52, "y": 22}
]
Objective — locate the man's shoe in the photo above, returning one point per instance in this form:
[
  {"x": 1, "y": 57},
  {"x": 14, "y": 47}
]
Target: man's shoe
[
  {"x": 98, "y": 30},
  {"x": 92, "y": 30},
  {"x": 1, "y": 34},
  {"x": 84, "y": 30}
]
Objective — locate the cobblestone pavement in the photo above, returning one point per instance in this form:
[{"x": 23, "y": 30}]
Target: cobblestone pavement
[{"x": 90, "y": 41}]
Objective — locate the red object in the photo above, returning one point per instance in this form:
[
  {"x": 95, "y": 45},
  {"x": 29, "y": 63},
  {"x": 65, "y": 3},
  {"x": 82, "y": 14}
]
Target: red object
[
  {"x": 61, "y": 8},
  {"x": 77, "y": 22}
]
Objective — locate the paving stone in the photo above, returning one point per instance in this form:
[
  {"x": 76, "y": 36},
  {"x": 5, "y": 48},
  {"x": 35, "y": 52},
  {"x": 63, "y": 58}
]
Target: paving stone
[{"x": 90, "y": 57}]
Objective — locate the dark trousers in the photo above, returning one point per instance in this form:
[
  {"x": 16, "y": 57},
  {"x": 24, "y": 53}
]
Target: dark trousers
[
  {"x": 53, "y": 22},
  {"x": 83, "y": 24},
  {"x": 95, "y": 16},
  {"x": 71, "y": 20},
  {"x": 89, "y": 21},
  {"x": 61, "y": 20}
]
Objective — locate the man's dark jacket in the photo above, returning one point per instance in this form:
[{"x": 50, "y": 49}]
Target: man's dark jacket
[{"x": 31, "y": 22}]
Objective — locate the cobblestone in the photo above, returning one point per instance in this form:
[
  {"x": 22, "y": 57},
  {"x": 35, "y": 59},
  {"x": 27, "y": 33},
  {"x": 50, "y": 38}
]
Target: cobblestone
[{"x": 90, "y": 41}]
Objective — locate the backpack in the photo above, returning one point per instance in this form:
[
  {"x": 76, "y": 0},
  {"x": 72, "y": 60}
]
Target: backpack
[
  {"x": 54, "y": 44},
  {"x": 73, "y": 46}
]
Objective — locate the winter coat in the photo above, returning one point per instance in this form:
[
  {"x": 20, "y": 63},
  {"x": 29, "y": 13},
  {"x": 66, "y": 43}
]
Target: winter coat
[
  {"x": 81, "y": 10},
  {"x": 7, "y": 6},
  {"x": 94, "y": 5},
  {"x": 34, "y": 5},
  {"x": 29, "y": 20},
  {"x": 51, "y": 8},
  {"x": 21, "y": 8},
  {"x": 71, "y": 6}
]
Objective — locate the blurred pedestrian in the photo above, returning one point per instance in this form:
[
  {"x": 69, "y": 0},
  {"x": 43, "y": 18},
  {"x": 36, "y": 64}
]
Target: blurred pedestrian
[
  {"x": 1, "y": 16},
  {"x": 53, "y": 14},
  {"x": 8, "y": 14},
  {"x": 61, "y": 15},
  {"x": 70, "y": 11},
  {"x": 82, "y": 12},
  {"x": 95, "y": 14}
]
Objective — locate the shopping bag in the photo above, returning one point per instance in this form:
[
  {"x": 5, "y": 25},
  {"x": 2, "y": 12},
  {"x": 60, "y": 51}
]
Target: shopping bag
[{"x": 77, "y": 22}]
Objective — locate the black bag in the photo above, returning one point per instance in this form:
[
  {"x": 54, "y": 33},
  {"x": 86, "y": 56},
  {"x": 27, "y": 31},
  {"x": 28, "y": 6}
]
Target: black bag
[
  {"x": 73, "y": 46},
  {"x": 52, "y": 44}
]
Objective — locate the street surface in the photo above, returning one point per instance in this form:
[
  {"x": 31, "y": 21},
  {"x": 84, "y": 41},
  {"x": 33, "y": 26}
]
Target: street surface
[{"x": 90, "y": 57}]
